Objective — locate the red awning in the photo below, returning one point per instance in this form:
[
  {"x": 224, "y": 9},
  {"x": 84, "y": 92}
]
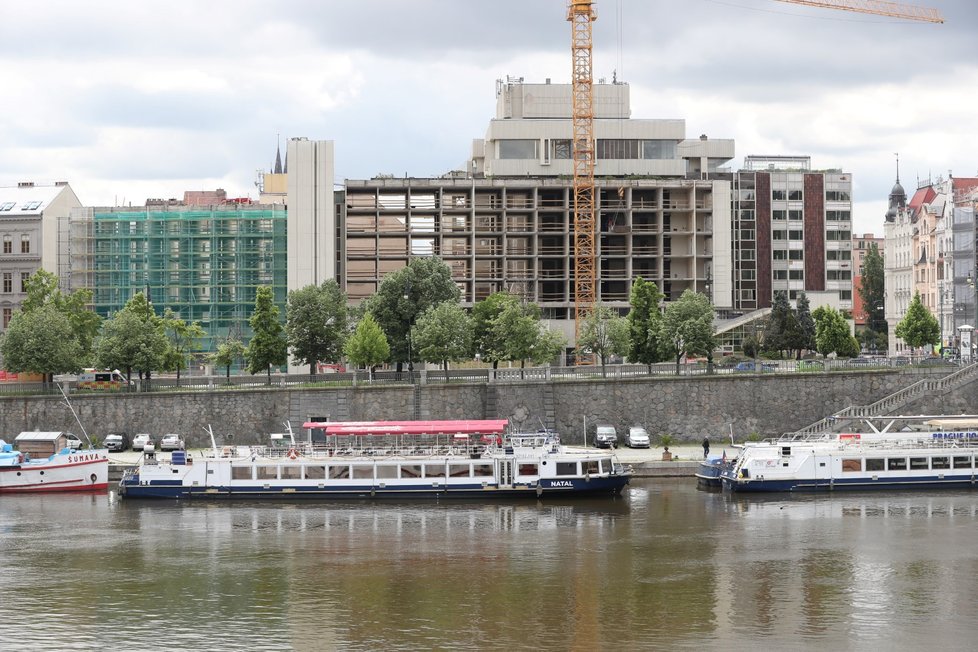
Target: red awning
[{"x": 486, "y": 426}]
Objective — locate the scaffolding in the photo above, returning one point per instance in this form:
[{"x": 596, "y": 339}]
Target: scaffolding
[{"x": 203, "y": 263}]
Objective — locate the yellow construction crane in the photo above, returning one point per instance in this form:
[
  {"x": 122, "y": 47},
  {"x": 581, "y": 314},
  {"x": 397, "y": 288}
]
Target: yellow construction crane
[{"x": 580, "y": 13}]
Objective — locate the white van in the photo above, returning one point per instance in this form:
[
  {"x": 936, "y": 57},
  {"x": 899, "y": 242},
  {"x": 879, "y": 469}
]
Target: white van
[{"x": 606, "y": 436}]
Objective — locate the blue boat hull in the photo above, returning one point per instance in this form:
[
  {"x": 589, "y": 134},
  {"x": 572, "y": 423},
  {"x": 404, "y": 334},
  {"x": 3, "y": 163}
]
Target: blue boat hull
[
  {"x": 612, "y": 485},
  {"x": 856, "y": 484}
]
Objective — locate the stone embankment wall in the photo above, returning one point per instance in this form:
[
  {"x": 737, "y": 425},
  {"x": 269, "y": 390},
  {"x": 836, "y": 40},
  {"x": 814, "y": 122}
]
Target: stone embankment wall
[{"x": 689, "y": 407}]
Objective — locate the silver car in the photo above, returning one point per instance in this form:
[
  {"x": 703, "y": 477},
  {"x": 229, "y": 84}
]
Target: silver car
[
  {"x": 171, "y": 442},
  {"x": 637, "y": 437}
]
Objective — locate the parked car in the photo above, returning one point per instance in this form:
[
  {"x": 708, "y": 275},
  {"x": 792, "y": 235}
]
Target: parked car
[
  {"x": 117, "y": 441},
  {"x": 637, "y": 437},
  {"x": 810, "y": 365},
  {"x": 754, "y": 366},
  {"x": 74, "y": 443},
  {"x": 171, "y": 442},
  {"x": 606, "y": 436},
  {"x": 143, "y": 441}
]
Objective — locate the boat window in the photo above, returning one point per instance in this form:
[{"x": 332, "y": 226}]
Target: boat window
[
  {"x": 315, "y": 472},
  {"x": 566, "y": 468},
  {"x": 852, "y": 466},
  {"x": 458, "y": 470},
  {"x": 917, "y": 463},
  {"x": 434, "y": 470},
  {"x": 962, "y": 462},
  {"x": 386, "y": 471},
  {"x": 291, "y": 472},
  {"x": 266, "y": 472},
  {"x": 940, "y": 463},
  {"x": 896, "y": 464},
  {"x": 363, "y": 471},
  {"x": 339, "y": 472},
  {"x": 528, "y": 469},
  {"x": 786, "y": 451},
  {"x": 241, "y": 472},
  {"x": 875, "y": 464},
  {"x": 482, "y": 470},
  {"x": 410, "y": 470},
  {"x": 592, "y": 466}
]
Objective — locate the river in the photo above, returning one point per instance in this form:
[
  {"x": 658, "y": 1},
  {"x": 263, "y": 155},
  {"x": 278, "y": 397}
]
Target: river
[{"x": 666, "y": 566}]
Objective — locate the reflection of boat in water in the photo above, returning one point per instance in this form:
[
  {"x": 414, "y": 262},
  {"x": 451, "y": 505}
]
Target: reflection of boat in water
[
  {"x": 927, "y": 453},
  {"x": 44, "y": 462},
  {"x": 387, "y": 459}
]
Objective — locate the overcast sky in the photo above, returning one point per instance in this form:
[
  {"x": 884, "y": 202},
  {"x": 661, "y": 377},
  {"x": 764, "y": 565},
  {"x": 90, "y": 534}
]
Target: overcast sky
[{"x": 129, "y": 100}]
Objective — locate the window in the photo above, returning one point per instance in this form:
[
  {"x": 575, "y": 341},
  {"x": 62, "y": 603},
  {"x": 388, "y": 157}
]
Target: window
[
  {"x": 796, "y": 254},
  {"x": 833, "y": 254},
  {"x": 796, "y": 275},
  {"x": 747, "y": 234},
  {"x": 339, "y": 472},
  {"x": 839, "y": 275},
  {"x": 778, "y": 195},
  {"x": 794, "y": 195},
  {"x": 8, "y": 282},
  {"x": 838, "y": 216},
  {"x": 780, "y": 275},
  {"x": 518, "y": 149},
  {"x": 837, "y": 195},
  {"x": 940, "y": 463},
  {"x": 363, "y": 471},
  {"x": 25, "y": 244},
  {"x": 481, "y": 470},
  {"x": 241, "y": 472},
  {"x": 24, "y": 277},
  {"x": 658, "y": 149},
  {"x": 959, "y": 462},
  {"x": 386, "y": 471},
  {"x": 796, "y": 235},
  {"x": 562, "y": 149},
  {"x": 794, "y": 215},
  {"x": 779, "y": 254},
  {"x": 875, "y": 464},
  {"x": 458, "y": 470},
  {"x": 566, "y": 468},
  {"x": 291, "y": 472},
  {"x": 747, "y": 275},
  {"x": 7, "y": 205},
  {"x": 896, "y": 464},
  {"x": 8, "y": 245},
  {"x": 410, "y": 470},
  {"x": 779, "y": 215},
  {"x": 266, "y": 472},
  {"x": 778, "y": 234},
  {"x": 852, "y": 466},
  {"x": 918, "y": 463},
  {"x": 526, "y": 468},
  {"x": 315, "y": 472},
  {"x": 434, "y": 470},
  {"x": 591, "y": 467}
]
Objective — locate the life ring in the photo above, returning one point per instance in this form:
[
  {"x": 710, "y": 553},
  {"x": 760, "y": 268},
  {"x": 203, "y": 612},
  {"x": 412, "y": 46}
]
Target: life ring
[
  {"x": 94, "y": 477},
  {"x": 292, "y": 454}
]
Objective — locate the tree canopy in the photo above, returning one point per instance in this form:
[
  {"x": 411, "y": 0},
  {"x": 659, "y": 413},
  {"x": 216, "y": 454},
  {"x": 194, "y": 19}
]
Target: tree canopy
[
  {"x": 228, "y": 352},
  {"x": 918, "y": 327},
  {"x": 183, "y": 338},
  {"x": 316, "y": 323},
  {"x": 687, "y": 326},
  {"x": 488, "y": 341},
  {"x": 873, "y": 295},
  {"x": 268, "y": 347},
  {"x": 443, "y": 334},
  {"x": 832, "y": 333},
  {"x": 40, "y": 341},
  {"x": 131, "y": 340},
  {"x": 42, "y": 289},
  {"x": 645, "y": 323},
  {"x": 605, "y": 334},
  {"x": 367, "y": 345}
]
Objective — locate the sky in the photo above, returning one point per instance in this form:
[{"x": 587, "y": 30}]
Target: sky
[{"x": 130, "y": 100}]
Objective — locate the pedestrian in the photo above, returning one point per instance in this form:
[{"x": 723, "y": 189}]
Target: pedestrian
[{"x": 706, "y": 447}]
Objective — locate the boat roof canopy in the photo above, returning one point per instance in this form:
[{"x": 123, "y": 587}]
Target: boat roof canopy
[
  {"x": 454, "y": 427},
  {"x": 952, "y": 423}
]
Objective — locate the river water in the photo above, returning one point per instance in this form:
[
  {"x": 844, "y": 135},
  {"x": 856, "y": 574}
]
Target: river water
[{"x": 666, "y": 566}]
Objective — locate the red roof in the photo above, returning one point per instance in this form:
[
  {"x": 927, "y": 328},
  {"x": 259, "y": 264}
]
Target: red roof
[
  {"x": 487, "y": 426},
  {"x": 922, "y": 196},
  {"x": 964, "y": 185}
]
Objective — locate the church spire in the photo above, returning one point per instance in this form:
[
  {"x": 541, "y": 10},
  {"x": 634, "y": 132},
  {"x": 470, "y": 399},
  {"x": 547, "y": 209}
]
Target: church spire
[{"x": 278, "y": 158}]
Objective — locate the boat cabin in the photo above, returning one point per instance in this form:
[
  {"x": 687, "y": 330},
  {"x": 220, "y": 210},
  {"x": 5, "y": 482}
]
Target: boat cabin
[{"x": 41, "y": 444}]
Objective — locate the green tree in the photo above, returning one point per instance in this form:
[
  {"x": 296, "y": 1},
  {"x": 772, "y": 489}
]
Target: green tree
[
  {"x": 406, "y": 293},
  {"x": 130, "y": 342},
  {"x": 268, "y": 346},
  {"x": 783, "y": 331},
  {"x": 183, "y": 338},
  {"x": 806, "y": 324},
  {"x": 604, "y": 333},
  {"x": 523, "y": 337},
  {"x": 443, "y": 334},
  {"x": 687, "y": 326},
  {"x": 368, "y": 344},
  {"x": 487, "y": 340},
  {"x": 40, "y": 341},
  {"x": 316, "y": 323},
  {"x": 228, "y": 352},
  {"x": 832, "y": 332},
  {"x": 645, "y": 323},
  {"x": 873, "y": 296},
  {"x": 918, "y": 327},
  {"x": 42, "y": 289}
]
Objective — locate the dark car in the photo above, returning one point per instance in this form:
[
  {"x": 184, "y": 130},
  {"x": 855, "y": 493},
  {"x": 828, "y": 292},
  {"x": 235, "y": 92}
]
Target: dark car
[{"x": 117, "y": 441}]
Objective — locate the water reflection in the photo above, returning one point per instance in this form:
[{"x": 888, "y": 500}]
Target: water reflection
[{"x": 666, "y": 567}]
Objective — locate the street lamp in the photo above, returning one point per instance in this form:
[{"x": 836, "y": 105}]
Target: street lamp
[
  {"x": 972, "y": 276},
  {"x": 407, "y": 297}
]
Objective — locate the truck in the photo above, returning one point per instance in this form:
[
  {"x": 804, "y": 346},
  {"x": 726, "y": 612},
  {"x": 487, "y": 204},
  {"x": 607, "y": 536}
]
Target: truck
[{"x": 102, "y": 380}]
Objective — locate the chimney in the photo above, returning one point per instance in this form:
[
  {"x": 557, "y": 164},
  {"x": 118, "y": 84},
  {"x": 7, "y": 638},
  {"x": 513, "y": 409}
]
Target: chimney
[
  {"x": 60, "y": 183},
  {"x": 25, "y": 184}
]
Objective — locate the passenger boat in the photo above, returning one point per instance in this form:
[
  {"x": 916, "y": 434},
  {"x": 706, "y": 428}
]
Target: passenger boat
[
  {"x": 925, "y": 453},
  {"x": 385, "y": 459},
  {"x": 43, "y": 462}
]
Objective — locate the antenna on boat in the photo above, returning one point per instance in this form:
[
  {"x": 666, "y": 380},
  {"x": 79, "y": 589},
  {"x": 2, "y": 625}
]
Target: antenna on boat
[
  {"x": 74, "y": 414},
  {"x": 210, "y": 431},
  {"x": 730, "y": 426},
  {"x": 288, "y": 426}
]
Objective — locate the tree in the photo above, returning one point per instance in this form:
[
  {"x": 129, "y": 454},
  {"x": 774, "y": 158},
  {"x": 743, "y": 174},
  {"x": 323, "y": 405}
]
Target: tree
[
  {"x": 687, "y": 326},
  {"x": 523, "y": 337},
  {"x": 130, "y": 342},
  {"x": 228, "y": 352},
  {"x": 40, "y": 341},
  {"x": 873, "y": 296},
  {"x": 806, "y": 324},
  {"x": 604, "y": 333},
  {"x": 832, "y": 332},
  {"x": 918, "y": 326},
  {"x": 182, "y": 337},
  {"x": 488, "y": 341},
  {"x": 406, "y": 293},
  {"x": 368, "y": 345},
  {"x": 645, "y": 323},
  {"x": 42, "y": 289},
  {"x": 316, "y": 323},
  {"x": 443, "y": 334},
  {"x": 267, "y": 347},
  {"x": 783, "y": 331}
]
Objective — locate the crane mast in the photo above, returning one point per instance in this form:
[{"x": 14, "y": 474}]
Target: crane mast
[
  {"x": 877, "y": 8},
  {"x": 580, "y": 14}
]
